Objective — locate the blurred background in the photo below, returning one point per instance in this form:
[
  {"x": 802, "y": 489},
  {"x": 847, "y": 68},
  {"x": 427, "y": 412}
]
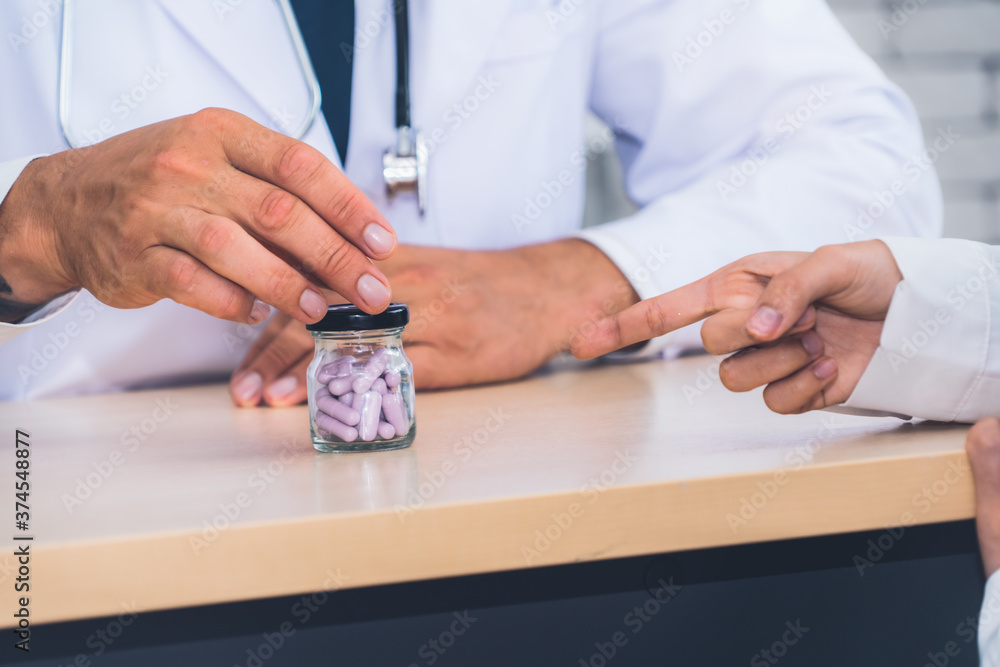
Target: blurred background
[{"x": 946, "y": 55}]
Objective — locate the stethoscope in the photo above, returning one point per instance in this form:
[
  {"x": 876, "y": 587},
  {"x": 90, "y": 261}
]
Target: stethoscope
[{"x": 404, "y": 166}]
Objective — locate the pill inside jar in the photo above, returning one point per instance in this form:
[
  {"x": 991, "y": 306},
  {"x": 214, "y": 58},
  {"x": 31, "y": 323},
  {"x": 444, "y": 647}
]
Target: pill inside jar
[{"x": 361, "y": 395}]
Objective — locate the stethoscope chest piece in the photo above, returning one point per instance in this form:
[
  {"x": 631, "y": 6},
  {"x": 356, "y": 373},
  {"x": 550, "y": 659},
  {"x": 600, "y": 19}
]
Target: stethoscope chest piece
[{"x": 405, "y": 168}]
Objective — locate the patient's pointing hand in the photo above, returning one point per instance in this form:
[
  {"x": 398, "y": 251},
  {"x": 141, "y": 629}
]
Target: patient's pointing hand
[{"x": 805, "y": 324}]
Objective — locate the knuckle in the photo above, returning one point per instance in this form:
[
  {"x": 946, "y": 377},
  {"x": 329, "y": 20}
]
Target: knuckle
[
  {"x": 839, "y": 259},
  {"x": 211, "y": 118},
  {"x": 776, "y": 404},
  {"x": 277, "y": 209},
  {"x": 656, "y": 318},
  {"x": 299, "y": 163},
  {"x": 831, "y": 253},
  {"x": 348, "y": 204},
  {"x": 334, "y": 257},
  {"x": 729, "y": 376},
  {"x": 170, "y": 161},
  {"x": 784, "y": 292},
  {"x": 232, "y": 305},
  {"x": 182, "y": 273},
  {"x": 214, "y": 237},
  {"x": 984, "y": 439},
  {"x": 710, "y": 340},
  {"x": 282, "y": 286},
  {"x": 617, "y": 334}
]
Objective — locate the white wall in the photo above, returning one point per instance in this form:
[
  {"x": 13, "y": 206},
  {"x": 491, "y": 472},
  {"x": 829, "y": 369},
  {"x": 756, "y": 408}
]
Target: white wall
[{"x": 946, "y": 55}]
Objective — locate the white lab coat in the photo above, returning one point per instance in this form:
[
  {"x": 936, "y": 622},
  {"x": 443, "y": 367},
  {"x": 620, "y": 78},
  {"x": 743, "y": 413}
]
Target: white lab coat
[
  {"x": 743, "y": 126},
  {"x": 939, "y": 355},
  {"x": 989, "y": 623}
]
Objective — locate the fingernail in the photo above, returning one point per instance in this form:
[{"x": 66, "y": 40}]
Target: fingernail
[
  {"x": 379, "y": 239},
  {"x": 812, "y": 343},
  {"x": 282, "y": 387},
  {"x": 764, "y": 322},
  {"x": 825, "y": 369},
  {"x": 313, "y": 304},
  {"x": 372, "y": 291},
  {"x": 260, "y": 312},
  {"x": 805, "y": 318},
  {"x": 247, "y": 388}
]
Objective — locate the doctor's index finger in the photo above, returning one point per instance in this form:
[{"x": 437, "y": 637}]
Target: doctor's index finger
[{"x": 300, "y": 169}]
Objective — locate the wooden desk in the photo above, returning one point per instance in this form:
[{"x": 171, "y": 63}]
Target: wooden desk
[{"x": 570, "y": 466}]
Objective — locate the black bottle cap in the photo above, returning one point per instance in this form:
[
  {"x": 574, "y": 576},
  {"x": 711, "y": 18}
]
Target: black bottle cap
[{"x": 347, "y": 317}]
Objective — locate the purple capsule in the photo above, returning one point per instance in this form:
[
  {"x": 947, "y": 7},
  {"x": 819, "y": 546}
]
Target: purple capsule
[
  {"x": 379, "y": 386},
  {"x": 338, "y": 410},
  {"x": 394, "y": 411},
  {"x": 368, "y": 404},
  {"x": 372, "y": 369},
  {"x": 326, "y": 423},
  {"x": 340, "y": 386},
  {"x": 386, "y": 431},
  {"x": 322, "y": 392},
  {"x": 347, "y": 399},
  {"x": 335, "y": 369},
  {"x": 325, "y": 373},
  {"x": 392, "y": 379}
]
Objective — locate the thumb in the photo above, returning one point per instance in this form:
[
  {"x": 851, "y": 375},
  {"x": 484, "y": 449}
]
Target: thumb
[{"x": 789, "y": 294}]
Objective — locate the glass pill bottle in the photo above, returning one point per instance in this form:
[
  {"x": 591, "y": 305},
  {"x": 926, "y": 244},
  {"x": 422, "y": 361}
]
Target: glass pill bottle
[{"x": 360, "y": 381}]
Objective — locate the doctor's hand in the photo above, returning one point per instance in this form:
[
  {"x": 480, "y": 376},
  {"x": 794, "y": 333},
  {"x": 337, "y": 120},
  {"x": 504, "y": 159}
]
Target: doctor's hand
[
  {"x": 478, "y": 317},
  {"x": 804, "y": 324},
  {"x": 211, "y": 210},
  {"x": 273, "y": 371}
]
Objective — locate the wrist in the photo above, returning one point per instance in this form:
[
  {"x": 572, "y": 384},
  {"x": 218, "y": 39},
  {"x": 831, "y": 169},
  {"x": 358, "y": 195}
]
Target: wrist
[
  {"x": 581, "y": 284},
  {"x": 30, "y": 273}
]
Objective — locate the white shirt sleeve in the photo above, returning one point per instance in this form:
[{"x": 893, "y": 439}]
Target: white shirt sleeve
[
  {"x": 9, "y": 172},
  {"x": 939, "y": 354},
  {"x": 989, "y": 623},
  {"x": 762, "y": 127}
]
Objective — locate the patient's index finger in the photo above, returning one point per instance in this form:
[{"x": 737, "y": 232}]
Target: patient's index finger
[{"x": 645, "y": 320}]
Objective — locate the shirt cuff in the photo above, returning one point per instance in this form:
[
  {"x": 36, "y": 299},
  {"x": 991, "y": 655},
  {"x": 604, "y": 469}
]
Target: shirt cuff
[
  {"x": 989, "y": 622},
  {"x": 933, "y": 360},
  {"x": 43, "y": 314},
  {"x": 9, "y": 172}
]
